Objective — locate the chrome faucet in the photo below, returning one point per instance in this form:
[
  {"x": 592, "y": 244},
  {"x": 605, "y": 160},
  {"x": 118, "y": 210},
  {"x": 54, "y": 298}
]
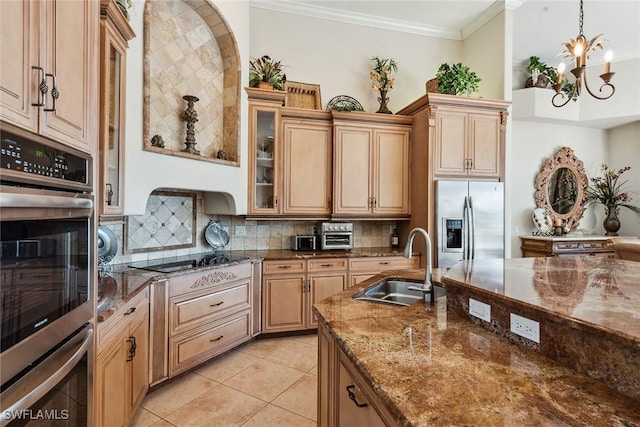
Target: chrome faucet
[{"x": 428, "y": 286}]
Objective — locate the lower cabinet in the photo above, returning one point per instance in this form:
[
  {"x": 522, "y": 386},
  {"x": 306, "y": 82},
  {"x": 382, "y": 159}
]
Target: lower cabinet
[
  {"x": 291, "y": 287},
  {"x": 362, "y": 268},
  {"x": 122, "y": 364},
  {"x": 344, "y": 396}
]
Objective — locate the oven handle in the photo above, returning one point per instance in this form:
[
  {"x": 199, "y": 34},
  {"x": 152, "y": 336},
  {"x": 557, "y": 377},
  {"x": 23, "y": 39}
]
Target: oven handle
[
  {"x": 42, "y": 377},
  {"x": 14, "y": 200}
]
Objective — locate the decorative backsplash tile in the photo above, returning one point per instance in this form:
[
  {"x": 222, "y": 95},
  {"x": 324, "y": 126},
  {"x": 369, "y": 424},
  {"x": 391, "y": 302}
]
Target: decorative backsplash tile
[{"x": 168, "y": 223}]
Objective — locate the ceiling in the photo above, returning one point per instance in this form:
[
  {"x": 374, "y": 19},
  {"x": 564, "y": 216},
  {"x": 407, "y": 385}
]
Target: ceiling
[{"x": 540, "y": 26}]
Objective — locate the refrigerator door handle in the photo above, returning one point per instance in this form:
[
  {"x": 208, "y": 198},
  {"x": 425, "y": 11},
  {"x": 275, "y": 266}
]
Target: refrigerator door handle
[
  {"x": 465, "y": 230},
  {"x": 472, "y": 228}
]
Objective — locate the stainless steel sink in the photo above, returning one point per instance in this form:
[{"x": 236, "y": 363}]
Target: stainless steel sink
[{"x": 397, "y": 292}]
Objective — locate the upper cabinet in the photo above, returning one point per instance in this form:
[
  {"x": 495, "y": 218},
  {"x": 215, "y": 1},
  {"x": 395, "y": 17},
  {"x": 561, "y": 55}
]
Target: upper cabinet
[
  {"x": 115, "y": 32},
  {"x": 290, "y": 158},
  {"x": 371, "y": 165},
  {"x": 468, "y": 143},
  {"x": 48, "y": 76}
]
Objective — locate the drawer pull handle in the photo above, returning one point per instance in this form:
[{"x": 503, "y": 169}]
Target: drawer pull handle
[
  {"x": 217, "y": 339},
  {"x": 384, "y": 262},
  {"x": 352, "y": 396},
  {"x": 131, "y": 310},
  {"x": 217, "y": 304},
  {"x": 284, "y": 266},
  {"x": 132, "y": 348},
  {"x": 40, "y": 276},
  {"x": 327, "y": 265}
]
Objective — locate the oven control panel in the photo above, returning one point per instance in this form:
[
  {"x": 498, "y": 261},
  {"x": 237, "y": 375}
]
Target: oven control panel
[{"x": 36, "y": 158}]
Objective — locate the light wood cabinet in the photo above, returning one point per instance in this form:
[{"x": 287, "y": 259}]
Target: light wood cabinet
[
  {"x": 453, "y": 137},
  {"x": 361, "y": 269},
  {"x": 371, "y": 165},
  {"x": 542, "y": 246},
  {"x": 290, "y": 288},
  {"x": 122, "y": 364},
  {"x": 49, "y": 85},
  {"x": 344, "y": 396},
  {"x": 115, "y": 32},
  {"x": 468, "y": 144},
  {"x": 199, "y": 315}
]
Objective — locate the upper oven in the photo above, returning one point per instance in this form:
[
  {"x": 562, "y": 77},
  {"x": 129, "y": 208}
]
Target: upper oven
[{"x": 46, "y": 222}]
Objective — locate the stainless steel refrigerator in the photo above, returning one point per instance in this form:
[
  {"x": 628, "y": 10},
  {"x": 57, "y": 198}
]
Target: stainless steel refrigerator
[{"x": 469, "y": 221}]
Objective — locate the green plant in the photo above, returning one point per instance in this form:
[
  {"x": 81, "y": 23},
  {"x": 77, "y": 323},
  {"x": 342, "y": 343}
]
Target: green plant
[
  {"x": 381, "y": 75},
  {"x": 606, "y": 190},
  {"x": 537, "y": 68},
  {"x": 457, "y": 79},
  {"x": 265, "y": 69}
]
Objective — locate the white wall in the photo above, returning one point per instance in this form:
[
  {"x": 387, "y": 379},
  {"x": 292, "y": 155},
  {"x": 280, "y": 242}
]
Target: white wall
[
  {"x": 146, "y": 171},
  {"x": 337, "y": 56},
  {"x": 532, "y": 143},
  {"x": 624, "y": 150}
]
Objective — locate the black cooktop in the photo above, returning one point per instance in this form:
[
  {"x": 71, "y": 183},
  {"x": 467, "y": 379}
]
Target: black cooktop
[{"x": 187, "y": 262}]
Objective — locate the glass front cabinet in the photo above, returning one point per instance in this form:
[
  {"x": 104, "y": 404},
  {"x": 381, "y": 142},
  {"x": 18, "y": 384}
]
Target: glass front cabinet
[
  {"x": 115, "y": 32},
  {"x": 264, "y": 152}
]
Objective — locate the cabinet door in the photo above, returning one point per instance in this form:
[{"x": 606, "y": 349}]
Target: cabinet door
[
  {"x": 322, "y": 287},
  {"x": 390, "y": 172},
  {"x": 307, "y": 168},
  {"x": 139, "y": 365},
  {"x": 112, "y": 92},
  {"x": 451, "y": 157},
  {"x": 111, "y": 381},
  {"x": 68, "y": 51},
  {"x": 352, "y": 165},
  {"x": 264, "y": 175},
  {"x": 484, "y": 145},
  {"x": 354, "y": 408},
  {"x": 19, "y": 47},
  {"x": 283, "y": 303}
]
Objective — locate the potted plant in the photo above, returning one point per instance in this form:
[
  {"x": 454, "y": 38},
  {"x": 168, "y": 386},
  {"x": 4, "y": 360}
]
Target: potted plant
[
  {"x": 457, "y": 79},
  {"x": 266, "y": 73},
  {"x": 540, "y": 74},
  {"x": 382, "y": 80}
]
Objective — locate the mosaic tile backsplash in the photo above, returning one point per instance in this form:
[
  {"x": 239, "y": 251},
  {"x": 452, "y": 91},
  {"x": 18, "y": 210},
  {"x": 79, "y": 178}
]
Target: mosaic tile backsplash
[{"x": 259, "y": 235}]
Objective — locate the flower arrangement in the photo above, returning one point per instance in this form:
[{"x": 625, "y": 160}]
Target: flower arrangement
[
  {"x": 609, "y": 191},
  {"x": 381, "y": 75},
  {"x": 265, "y": 69}
]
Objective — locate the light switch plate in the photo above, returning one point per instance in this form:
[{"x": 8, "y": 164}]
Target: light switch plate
[
  {"x": 480, "y": 310},
  {"x": 524, "y": 327}
]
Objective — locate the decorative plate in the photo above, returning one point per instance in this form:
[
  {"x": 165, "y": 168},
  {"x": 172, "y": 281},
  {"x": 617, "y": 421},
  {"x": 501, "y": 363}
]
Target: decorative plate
[
  {"x": 216, "y": 235},
  {"x": 344, "y": 103},
  {"x": 542, "y": 219},
  {"x": 107, "y": 244}
]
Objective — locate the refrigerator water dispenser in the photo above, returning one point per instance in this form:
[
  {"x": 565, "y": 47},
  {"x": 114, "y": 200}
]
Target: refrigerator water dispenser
[{"x": 452, "y": 235}]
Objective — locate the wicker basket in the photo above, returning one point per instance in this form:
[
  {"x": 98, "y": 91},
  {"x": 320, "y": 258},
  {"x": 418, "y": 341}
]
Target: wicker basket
[
  {"x": 432, "y": 86},
  {"x": 302, "y": 95}
]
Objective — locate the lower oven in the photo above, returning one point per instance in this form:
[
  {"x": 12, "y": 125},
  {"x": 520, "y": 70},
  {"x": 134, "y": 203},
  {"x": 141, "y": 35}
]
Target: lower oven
[{"x": 46, "y": 294}]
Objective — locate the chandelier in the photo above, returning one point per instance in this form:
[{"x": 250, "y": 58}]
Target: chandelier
[{"x": 578, "y": 50}]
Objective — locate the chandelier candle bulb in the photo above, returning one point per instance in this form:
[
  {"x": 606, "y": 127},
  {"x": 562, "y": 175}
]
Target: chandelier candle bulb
[
  {"x": 561, "y": 67},
  {"x": 607, "y": 61}
]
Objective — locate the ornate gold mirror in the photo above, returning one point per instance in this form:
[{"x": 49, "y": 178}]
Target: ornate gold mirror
[{"x": 560, "y": 187}]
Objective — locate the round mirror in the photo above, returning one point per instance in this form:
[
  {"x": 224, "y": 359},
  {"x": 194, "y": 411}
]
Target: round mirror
[
  {"x": 560, "y": 187},
  {"x": 563, "y": 190}
]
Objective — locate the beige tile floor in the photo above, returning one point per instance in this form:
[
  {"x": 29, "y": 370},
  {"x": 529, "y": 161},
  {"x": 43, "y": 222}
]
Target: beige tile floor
[{"x": 267, "y": 382}]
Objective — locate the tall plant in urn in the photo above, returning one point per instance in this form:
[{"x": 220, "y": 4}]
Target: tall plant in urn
[
  {"x": 382, "y": 80},
  {"x": 609, "y": 191}
]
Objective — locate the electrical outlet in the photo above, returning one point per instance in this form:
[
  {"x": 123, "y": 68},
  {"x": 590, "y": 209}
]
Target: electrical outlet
[
  {"x": 480, "y": 310},
  {"x": 524, "y": 327},
  {"x": 241, "y": 230}
]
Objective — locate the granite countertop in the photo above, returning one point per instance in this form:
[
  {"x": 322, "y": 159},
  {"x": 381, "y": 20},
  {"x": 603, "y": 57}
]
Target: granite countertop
[
  {"x": 121, "y": 282},
  {"x": 454, "y": 371}
]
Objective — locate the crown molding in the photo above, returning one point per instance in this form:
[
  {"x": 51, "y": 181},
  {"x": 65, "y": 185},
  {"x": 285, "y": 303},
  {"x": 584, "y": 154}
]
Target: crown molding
[
  {"x": 491, "y": 12},
  {"x": 320, "y": 12}
]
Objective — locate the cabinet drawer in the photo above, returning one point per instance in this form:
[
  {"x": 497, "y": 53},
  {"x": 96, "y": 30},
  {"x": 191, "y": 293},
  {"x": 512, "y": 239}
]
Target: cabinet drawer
[
  {"x": 192, "y": 348},
  {"x": 383, "y": 263},
  {"x": 327, "y": 264},
  {"x": 196, "y": 308},
  {"x": 567, "y": 246},
  {"x": 39, "y": 276},
  {"x": 587, "y": 246},
  {"x": 284, "y": 266},
  {"x": 207, "y": 279},
  {"x": 113, "y": 327}
]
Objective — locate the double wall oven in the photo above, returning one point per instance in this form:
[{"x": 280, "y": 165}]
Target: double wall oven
[{"x": 46, "y": 219}]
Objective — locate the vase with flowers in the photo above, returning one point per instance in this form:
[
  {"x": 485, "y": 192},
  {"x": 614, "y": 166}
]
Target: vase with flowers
[
  {"x": 382, "y": 80},
  {"x": 609, "y": 191}
]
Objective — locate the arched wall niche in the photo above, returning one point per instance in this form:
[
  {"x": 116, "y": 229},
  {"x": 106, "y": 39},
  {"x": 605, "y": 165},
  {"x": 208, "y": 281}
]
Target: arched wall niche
[{"x": 189, "y": 49}]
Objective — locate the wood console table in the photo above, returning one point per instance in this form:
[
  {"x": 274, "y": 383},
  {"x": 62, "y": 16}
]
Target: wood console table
[{"x": 545, "y": 246}]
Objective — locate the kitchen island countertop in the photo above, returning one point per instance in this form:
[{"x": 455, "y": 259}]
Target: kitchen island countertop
[{"x": 457, "y": 371}]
